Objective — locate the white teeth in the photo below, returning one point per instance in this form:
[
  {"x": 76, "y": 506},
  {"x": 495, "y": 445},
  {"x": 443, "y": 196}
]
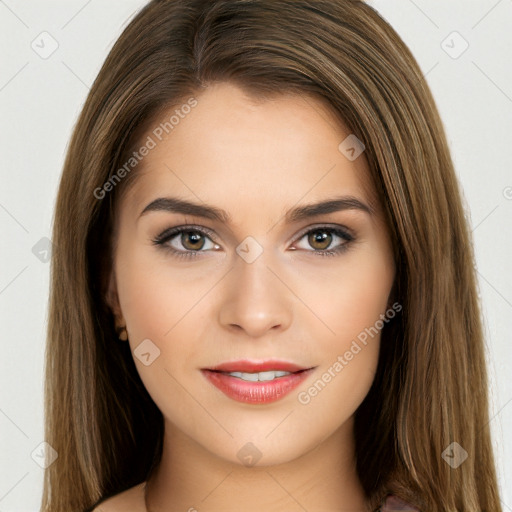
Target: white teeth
[{"x": 261, "y": 376}]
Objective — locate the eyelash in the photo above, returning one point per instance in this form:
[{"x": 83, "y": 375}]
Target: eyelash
[{"x": 162, "y": 239}]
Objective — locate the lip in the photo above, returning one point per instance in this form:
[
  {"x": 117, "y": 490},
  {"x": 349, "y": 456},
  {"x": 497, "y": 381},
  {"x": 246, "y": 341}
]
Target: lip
[
  {"x": 256, "y": 392},
  {"x": 258, "y": 366}
]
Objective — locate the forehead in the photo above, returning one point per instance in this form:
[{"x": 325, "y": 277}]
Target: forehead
[{"x": 231, "y": 148}]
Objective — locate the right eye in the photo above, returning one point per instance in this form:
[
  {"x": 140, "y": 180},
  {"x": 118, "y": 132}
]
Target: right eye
[{"x": 190, "y": 238}]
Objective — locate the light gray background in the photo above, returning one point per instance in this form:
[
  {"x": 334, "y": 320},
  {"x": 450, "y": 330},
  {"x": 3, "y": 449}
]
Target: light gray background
[{"x": 40, "y": 100}]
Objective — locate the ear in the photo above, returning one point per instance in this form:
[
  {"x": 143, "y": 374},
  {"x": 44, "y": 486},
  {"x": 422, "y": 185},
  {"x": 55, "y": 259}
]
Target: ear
[{"x": 112, "y": 299}]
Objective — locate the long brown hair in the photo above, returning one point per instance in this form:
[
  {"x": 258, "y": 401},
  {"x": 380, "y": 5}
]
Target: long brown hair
[{"x": 430, "y": 389}]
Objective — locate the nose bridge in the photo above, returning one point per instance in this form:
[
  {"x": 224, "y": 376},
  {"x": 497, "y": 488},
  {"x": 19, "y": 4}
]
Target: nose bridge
[
  {"x": 251, "y": 271},
  {"x": 256, "y": 300}
]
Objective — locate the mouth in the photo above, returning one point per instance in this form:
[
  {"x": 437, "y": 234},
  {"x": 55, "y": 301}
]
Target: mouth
[{"x": 256, "y": 382}]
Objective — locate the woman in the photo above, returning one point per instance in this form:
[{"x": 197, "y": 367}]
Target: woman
[{"x": 263, "y": 289}]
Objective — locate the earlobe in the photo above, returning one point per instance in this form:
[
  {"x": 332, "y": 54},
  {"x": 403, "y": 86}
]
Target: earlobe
[{"x": 122, "y": 333}]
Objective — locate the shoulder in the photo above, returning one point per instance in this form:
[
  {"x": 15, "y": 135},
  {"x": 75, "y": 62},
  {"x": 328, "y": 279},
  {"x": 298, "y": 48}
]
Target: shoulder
[{"x": 132, "y": 499}]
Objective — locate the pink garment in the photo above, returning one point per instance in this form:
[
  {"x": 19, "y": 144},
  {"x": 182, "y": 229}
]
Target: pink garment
[{"x": 394, "y": 504}]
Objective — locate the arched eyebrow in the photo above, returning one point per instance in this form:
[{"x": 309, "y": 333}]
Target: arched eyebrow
[{"x": 298, "y": 213}]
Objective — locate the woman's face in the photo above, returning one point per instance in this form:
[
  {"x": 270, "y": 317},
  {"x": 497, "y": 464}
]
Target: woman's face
[{"x": 252, "y": 284}]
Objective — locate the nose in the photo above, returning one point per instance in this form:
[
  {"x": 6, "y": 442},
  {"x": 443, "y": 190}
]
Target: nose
[{"x": 255, "y": 298}]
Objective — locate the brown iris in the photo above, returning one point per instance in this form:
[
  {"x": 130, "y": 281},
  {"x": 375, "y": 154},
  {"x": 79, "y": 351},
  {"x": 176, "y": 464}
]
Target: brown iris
[
  {"x": 322, "y": 237},
  {"x": 196, "y": 240}
]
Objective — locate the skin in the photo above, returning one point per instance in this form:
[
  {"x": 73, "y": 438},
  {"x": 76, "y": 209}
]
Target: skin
[{"x": 255, "y": 160}]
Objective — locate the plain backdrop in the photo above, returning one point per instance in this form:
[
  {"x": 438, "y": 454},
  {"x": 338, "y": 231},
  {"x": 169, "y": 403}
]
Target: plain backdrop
[{"x": 463, "y": 47}]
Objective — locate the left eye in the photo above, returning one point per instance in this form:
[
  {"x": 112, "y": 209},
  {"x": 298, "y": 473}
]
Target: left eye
[
  {"x": 192, "y": 240},
  {"x": 321, "y": 238}
]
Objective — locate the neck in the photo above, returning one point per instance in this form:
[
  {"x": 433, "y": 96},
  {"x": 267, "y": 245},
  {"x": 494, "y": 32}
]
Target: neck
[{"x": 190, "y": 478}]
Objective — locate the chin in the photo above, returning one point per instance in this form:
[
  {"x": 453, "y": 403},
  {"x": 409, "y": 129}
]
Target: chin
[{"x": 261, "y": 452}]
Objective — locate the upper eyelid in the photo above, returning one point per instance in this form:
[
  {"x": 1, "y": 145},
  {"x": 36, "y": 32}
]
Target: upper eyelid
[{"x": 339, "y": 227}]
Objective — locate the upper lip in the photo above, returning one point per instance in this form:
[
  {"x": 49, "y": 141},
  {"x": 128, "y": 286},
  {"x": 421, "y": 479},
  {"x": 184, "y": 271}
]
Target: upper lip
[{"x": 257, "y": 366}]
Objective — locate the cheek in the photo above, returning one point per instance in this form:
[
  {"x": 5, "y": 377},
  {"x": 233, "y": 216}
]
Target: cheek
[
  {"x": 347, "y": 297},
  {"x": 351, "y": 305},
  {"x": 348, "y": 300},
  {"x": 160, "y": 307},
  {"x": 165, "y": 305},
  {"x": 153, "y": 298},
  {"x": 147, "y": 304}
]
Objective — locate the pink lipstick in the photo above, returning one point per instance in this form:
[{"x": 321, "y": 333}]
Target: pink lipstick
[{"x": 256, "y": 382}]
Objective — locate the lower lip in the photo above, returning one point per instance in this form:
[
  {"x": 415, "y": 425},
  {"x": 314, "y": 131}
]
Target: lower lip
[{"x": 256, "y": 392}]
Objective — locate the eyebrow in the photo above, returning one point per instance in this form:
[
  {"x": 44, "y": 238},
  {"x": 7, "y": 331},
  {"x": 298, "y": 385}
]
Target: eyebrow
[{"x": 175, "y": 205}]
